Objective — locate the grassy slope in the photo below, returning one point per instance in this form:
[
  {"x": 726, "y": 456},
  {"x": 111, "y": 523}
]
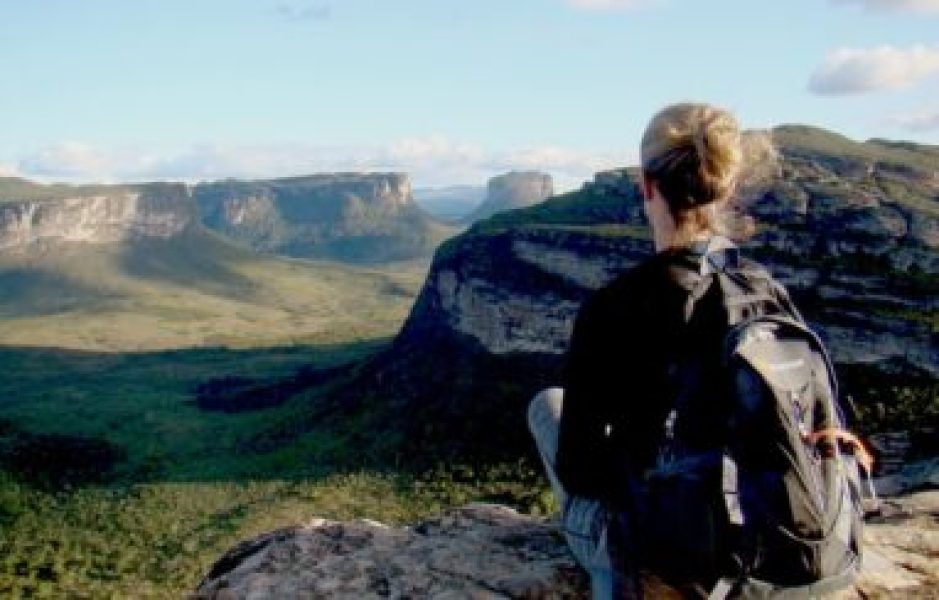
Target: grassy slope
[
  {"x": 196, "y": 291},
  {"x": 821, "y": 141}
]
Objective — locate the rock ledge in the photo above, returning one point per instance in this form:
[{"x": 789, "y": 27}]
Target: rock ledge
[{"x": 490, "y": 551}]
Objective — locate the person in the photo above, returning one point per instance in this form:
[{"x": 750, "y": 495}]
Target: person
[{"x": 605, "y": 424}]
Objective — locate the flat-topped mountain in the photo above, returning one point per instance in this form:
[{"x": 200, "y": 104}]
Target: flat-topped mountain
[
  {"x": 357, "y": 217},
  {"x": 516, "y": 189},
  {"x": 32, "y": 213}
]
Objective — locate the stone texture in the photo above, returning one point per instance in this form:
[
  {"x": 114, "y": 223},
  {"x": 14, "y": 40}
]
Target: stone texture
[
  {"x": 490, "y": 551},
  {"x": 103, "y": 216},
  {"x": 480, "y": 551}
]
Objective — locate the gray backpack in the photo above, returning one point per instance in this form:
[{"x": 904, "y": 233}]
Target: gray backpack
[{"x": 773, "y": 509}]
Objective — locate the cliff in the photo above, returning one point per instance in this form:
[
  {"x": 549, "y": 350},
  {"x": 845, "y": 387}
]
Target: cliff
[
  {"x": 31, "y": 213},
  {"x": 517, "y": 189},
  {"x": 490, "y": 551},
  {"x": 346, "y": 216}
]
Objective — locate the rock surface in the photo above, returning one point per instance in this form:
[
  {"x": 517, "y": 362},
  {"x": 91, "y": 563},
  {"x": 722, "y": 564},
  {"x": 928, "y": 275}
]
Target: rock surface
[
  {"x": 96, "y": 215},
  {"x": 490, "y": 551},
  {"x": 360, "y": 217}
]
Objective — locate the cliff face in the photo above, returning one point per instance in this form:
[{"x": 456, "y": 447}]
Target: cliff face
[
  {"x": 351, "y": 216},
  {"x": 856, "y": 244},
  {"x": 518, "y": 189},
  {"x": 97, "y": 215}
]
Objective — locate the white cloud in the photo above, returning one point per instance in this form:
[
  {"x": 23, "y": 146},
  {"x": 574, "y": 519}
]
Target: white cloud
[
  {"x": 917, "y": 122},
  {"x": 69, "y": 159},
  {"x": 857, "y": 71},
  {"x": 601, "y": 5},
  {"x": 431, "y": 161},
  {"x": 8, "y": 171},
  {"x": 922, "y": 6}
]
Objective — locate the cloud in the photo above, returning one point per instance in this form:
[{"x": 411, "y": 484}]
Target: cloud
[
  {"x": 431, "y": 161},
  {"x": 69, "y": 159},
  {"x": 921, "y": 6},
  {"x": 918, "y": 122},
  {"x": 8, "y": 171},
  {"x": 304, "y": 12},
  {"x": 858, "y": 71},
  {"x": 607, "y": 5}
]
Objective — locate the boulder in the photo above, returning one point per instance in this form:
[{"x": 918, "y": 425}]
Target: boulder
[{"x": 491, "y": 551}]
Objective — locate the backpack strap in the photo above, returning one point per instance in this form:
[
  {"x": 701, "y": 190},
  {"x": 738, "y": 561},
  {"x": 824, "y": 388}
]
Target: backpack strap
[{"x": 744, "y": 284}]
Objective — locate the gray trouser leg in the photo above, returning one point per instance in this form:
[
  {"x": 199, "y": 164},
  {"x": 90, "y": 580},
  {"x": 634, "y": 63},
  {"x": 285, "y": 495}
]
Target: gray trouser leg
[{"x": 582, "y": 519}]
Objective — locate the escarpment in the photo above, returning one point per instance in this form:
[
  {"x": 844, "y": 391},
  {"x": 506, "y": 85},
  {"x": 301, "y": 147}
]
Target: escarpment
[
  {"x": 358, "y": 217},
  {"x": 32, "y": 213}
]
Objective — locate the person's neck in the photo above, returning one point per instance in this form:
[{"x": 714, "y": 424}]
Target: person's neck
[{"x": 667, "y": 237}]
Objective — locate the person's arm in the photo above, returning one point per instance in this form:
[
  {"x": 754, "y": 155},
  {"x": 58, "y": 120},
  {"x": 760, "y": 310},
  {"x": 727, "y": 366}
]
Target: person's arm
[{"x": 583, "y": 460}]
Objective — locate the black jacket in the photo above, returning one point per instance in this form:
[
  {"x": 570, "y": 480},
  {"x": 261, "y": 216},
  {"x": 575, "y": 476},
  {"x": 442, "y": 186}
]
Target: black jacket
[{"x": 618, "y": 384}]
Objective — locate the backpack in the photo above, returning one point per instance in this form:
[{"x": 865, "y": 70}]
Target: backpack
[{"x": 773, "y": 507}]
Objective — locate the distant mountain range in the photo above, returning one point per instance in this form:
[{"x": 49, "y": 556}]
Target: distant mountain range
[
  {"x": 468, "y": 204},
  {"x": 450, "y": 203}
]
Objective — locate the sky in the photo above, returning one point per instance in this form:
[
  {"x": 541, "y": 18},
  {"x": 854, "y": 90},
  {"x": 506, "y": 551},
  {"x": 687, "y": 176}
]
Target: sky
[{"x": 450, "y": 91}]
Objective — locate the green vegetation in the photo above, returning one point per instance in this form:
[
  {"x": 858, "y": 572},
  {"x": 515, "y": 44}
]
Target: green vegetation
[
  {"x": 198, "y": 290},
  {"x": 113, "y": 481},
  {"x": 821, "y": 141},
  {"x": 904, "y": 399},
  {"x": 157, "y": 539}
]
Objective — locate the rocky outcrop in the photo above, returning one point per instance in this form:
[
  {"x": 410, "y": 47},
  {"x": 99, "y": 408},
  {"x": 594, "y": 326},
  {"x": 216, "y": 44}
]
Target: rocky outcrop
[
  {"x": 517, "y": 189},
  {"x": 482, "y": 551},
  {"x": 491, "y": 551},
  {"x": 96, "y": 215},
  {"x": 359, "y": 217},
  {"x": 860, "y": 259}
]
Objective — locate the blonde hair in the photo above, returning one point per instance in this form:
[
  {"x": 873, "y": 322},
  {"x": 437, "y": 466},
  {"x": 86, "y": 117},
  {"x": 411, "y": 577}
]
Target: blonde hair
[{"x": 694, "y": 154}]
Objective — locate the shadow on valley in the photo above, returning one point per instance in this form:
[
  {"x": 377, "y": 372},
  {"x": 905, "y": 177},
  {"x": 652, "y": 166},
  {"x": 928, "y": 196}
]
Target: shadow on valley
[
  {"x": 69, "y": 418},
  {"x": 26, "y": 292}
]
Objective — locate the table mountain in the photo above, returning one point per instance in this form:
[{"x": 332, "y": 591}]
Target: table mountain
[
  {"x": 356, "y": 217},
  {"x": 31, "y": 213},
  {"x": 516, "y": 189}
]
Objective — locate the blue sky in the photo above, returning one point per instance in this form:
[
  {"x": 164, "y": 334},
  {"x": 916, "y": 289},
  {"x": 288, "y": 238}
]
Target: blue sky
[{"x": 451, "y": 91}]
